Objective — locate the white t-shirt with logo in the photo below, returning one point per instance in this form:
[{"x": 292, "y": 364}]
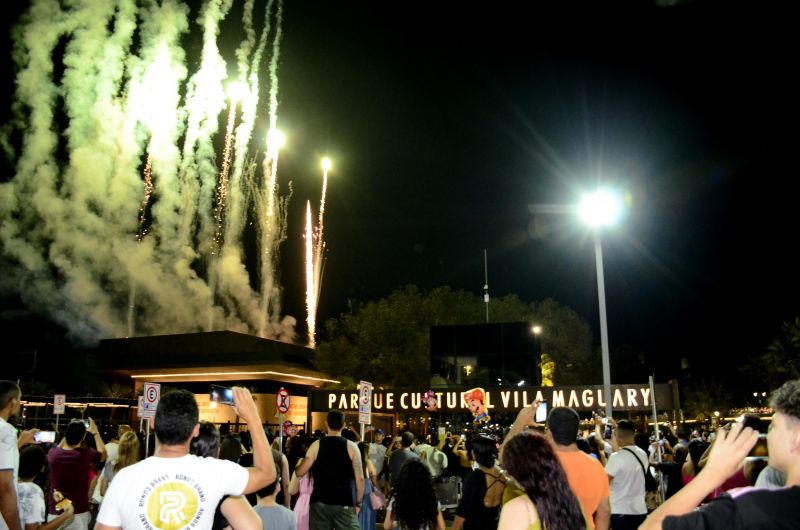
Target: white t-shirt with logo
[
  {"x": 170, "y": 493},
  {"x": 627, "y": 488},
  {"x": 9, "y": 455},
  {"x": 31, "y": 503}
]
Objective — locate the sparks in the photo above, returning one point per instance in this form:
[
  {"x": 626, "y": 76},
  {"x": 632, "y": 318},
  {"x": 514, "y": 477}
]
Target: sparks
[{"x": 311, "y": 298}]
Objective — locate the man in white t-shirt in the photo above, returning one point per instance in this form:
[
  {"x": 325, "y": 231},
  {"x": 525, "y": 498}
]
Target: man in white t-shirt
[
  {"x": 10, "y": 397},
  {"x": 625, "y": 470},
  {"x": 174, "y": 489}
]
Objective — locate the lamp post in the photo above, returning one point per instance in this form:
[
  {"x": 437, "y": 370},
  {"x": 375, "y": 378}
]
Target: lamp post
[
  {"x": 537, "y": 347},
  {"x": 599, "y": 209}
]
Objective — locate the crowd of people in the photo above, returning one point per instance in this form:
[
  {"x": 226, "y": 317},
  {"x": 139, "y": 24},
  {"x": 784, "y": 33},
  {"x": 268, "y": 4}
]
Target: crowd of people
[{"x": 551, "y": 476}]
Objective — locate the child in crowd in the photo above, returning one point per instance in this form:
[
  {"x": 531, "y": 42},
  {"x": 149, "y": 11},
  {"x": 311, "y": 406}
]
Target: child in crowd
[
  {"x": 31, "y": 497},
  {"x": 273, "y": 515}
]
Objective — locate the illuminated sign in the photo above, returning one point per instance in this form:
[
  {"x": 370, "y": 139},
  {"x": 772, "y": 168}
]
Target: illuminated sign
[{"x": 581, "y": 398}]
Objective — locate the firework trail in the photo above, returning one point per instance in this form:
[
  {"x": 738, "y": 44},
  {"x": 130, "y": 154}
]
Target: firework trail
[
  {"x": 147, "y": 176},
  {"x": 222, "y": 183},
  {"x": 126, "y": 94},
  {"x": 311, "y": 289},
  {"x": 319, "y": 256}
]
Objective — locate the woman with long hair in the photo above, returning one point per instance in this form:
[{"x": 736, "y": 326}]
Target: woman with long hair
[
  {"x": 548, "y": 501},
  {"x": 479, "y": 507},
  {"x": 128, "y": 455},
  {"x": 413, "y": 505},
  {"x": 367, "y": 515},
  {"x": 232, "y": 512}
]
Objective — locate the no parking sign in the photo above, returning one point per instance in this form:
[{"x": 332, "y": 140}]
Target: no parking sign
[{"x": 283, "y": 401}]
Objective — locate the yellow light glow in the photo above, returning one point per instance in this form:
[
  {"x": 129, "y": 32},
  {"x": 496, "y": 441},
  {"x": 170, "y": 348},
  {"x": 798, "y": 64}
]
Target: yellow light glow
[
  {"x": 204, "y": 374},
  {"x": 537, "y": 330},
  {"x": 326, "y": 163},
  {"x": 236, "y": 91},
  {"x": 275, "y": 140}
]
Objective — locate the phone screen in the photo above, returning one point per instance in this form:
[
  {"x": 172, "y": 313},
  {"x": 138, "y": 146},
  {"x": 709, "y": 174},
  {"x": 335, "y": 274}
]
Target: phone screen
[
  {"x": 44, "y": 437},
  {"x": 221, "y": 394},
  {"x": 541, "y": 412},
  {"x": 86, "y": 422}
]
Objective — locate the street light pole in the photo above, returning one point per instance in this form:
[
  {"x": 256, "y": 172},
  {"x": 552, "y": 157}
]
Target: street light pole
[
  {"x": 601, "y": 295},
  {"x": 599, "y": 209}
]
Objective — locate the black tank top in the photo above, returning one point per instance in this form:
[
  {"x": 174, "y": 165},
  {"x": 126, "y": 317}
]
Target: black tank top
[{"x": 332, "y": 472}]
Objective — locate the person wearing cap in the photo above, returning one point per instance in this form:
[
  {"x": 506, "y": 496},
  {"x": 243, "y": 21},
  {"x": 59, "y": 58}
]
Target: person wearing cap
[
  {"x": 403, "y": 455},
  {"x": 377, "y": 451}
]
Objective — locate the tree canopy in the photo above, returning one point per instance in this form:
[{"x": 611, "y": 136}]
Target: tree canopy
[{"x": 387, "y": 341}]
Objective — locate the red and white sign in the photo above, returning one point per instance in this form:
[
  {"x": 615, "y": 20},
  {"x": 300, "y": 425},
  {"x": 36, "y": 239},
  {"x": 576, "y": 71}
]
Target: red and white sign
[
  {"x": 58, "y": 403},
  {"x": 152, "y": 393},
  {"x": 365, "y": 402},
  {"x": 283, "y": 401}
]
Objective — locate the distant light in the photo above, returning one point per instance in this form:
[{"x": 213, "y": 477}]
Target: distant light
[
  {"x": 275, "y": 140},
  {"x": 716, "y": 413},
  {"x": 601, "y": 208},
  {"x": 499, "y": 379},
  {"x": 326, "y": 163},
  {"x": 763, "y": 394},
  {"x": 537, "y": 330},
  {"x": 521, "y": 383},
  {"x": 236, "y": 91}
]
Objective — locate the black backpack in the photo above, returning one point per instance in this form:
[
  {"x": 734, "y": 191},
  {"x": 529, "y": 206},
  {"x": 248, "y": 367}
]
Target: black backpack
[{"x": 650, "y": 482}]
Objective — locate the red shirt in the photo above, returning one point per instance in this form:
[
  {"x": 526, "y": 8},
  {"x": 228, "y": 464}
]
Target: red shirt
[{"x": 69, "y": 474}]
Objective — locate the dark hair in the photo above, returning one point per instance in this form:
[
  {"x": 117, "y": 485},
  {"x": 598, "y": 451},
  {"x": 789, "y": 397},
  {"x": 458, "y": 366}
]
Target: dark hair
[
  {"x": 529, "y": 458},
  {"x": 230, "y": 448},
  {"x": 335, "y": 419},
  {"x": 583, "y": 445},
  {"x": 31, "y": 461},
  {"x": 786, "y": 399},
  {"x": 563, "y": 424},
  {"x": 176, "y": 416},
  {"x": 206, "y": 443},
  {"x": 270, "y": 434},
  {"x": 364, "y": 448},
  {"x": 347, "y": 434},
  {"x": 415, "y": 503},
  {"x": 696, "y": 450},
  {"x": 407, "y": 439},
  {"x": 642, "y": 441},
  {"x": 76, "y": 430},
  {"x": 485, "y": 450},
  {"x": 8, "y": 390},
  {"x": 626, "y": 427},
  {"x": 269, "y": 489}
]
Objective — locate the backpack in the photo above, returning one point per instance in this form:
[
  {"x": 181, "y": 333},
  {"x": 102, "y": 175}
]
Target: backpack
[{"x": 650, "y": 482}]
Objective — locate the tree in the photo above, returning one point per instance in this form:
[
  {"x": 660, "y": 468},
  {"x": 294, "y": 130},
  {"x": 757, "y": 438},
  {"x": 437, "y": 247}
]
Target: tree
[
  {"x": 779, "y": 362},
  {"x": 387, "y": 341}
]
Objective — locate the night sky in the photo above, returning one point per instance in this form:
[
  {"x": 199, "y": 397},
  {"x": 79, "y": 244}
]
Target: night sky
[{"x": 446, "y": 122}]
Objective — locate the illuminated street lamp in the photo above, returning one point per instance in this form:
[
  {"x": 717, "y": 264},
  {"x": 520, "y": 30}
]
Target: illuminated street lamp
[
  {"x": 599, "y": 209},
  {"x": 537, "y": 347}
]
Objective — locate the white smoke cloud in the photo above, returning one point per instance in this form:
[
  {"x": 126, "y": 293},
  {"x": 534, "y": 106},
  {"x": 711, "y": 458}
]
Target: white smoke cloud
[{"x": 68, "y": 232}]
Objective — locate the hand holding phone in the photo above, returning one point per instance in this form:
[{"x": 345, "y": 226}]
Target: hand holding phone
[
  {"x": 221, "y": 394},
  {"x": 44, "y": 437},
  {"x": 541, "y": 412}
]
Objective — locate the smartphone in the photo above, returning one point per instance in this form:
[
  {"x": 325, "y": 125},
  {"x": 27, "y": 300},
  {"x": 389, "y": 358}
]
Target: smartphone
[
  {"x": 86, "y": 422},
  {"x": 608, "y": 432},
  {"x": 759, "y": 450},
  {"x": 541, "y": 412},
  {"x": 45, "y": 437},
  {"x": 221, "y": 394}
]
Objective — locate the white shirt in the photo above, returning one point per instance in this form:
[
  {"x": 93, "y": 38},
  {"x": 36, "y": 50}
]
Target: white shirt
[
  {"x": 377, "y": 454},
  {"x": 627, "y": 488},
  {"x": 9, "y": 456},
  {"x": 170, "y": 493},
  {"x": 31, "y": 503}
]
